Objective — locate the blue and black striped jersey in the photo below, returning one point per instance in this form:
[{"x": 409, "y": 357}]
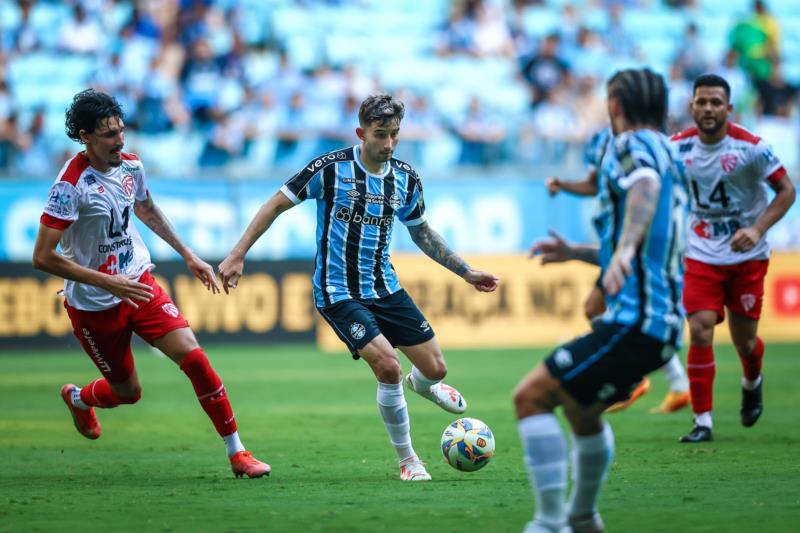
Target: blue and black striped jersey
[
  {"x": 651, "y": 295},
  {"x": 355, "y": 217},
  {"x": 595, "y": 148}
]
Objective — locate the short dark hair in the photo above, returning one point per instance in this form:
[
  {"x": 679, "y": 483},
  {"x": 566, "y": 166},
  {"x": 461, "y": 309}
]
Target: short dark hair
[
  {"x": 642, "y": 94},
  {"x": 381, "y": 108},
  {"x": 712, "y": 80},
  {"x": 88, "y": 108}
]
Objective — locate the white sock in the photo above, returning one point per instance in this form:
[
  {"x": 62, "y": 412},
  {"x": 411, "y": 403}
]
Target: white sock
[
  {"x": 76, "y": 399},
  {"x": 394, "y": 411},
  {"x": 703, "y": 419},
  {"x": 421, "y": 383},
  {"x": 591, "y": 458},
  {"x": 676, "y": 375},
  {"x": 751, "y": 385},
  {"x": 545, "y": 452},
  {"x": 232, "y": 443}
]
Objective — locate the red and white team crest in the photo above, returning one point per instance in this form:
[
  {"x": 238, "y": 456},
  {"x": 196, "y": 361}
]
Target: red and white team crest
[
  {"x": 127, "y": 184},
  {"x": 748, "y": 301},
  {"x": 728, "y": 162},
  {"x": 171, "y": 310}
]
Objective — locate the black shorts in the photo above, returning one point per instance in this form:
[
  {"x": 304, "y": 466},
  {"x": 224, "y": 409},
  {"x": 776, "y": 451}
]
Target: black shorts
[
  {"x": 397, "y": 317},
  {"x": 607, "y": 364}
]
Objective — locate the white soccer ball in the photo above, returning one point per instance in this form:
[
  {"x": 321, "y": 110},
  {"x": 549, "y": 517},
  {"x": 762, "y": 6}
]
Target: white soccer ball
[{"x": 467, "y": 444}]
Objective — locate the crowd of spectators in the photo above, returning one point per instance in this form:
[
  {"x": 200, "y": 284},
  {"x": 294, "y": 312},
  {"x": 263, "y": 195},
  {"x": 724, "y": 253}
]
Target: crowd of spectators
[{"x": 237, "y": 89}]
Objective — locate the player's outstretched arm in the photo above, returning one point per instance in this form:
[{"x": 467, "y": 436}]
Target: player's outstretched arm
[
  {"x": 230, "y": 270},
  {"x": 584, "y": 187},
  {"x": 557, "y": 250},
  {"x": 154, "y": 218},
  {"x": 47, "y": 259},
  {"x": 640, "y": 206},
  {"x": 433, "y": 245},
  {"x": 746, "y": 238}
]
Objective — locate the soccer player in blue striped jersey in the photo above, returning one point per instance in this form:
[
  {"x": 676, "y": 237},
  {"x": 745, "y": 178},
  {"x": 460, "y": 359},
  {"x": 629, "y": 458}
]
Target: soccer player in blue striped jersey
[
  {"x": 360, "y": 192},
  {"x": 644, "y": 208}
]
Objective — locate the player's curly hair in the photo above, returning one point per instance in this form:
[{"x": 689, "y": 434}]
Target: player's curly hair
[
  {"x": 643, "y": 96},
  {"x": 381, "y": 108},
  {"x": 88, "y": 108}
]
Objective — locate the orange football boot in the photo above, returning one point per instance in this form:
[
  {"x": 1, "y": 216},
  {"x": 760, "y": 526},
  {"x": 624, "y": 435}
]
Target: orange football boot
[
  {"x": 673, "y": 401},
  {"x": 85, "y": 420},
  {"x": 244, "y": 464},
  {"x": 641, "y": 389}
]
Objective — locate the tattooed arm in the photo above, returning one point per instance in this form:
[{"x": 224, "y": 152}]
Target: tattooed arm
[
  {"x": 153, "y": 217},
  {"x": 640, "y": 206},
  {"x": 433, "y": 245}
]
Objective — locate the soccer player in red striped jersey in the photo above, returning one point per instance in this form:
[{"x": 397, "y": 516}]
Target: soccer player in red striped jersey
[
  {"x": 110, "y": 293},
  {"x": 729, "y": 171}
]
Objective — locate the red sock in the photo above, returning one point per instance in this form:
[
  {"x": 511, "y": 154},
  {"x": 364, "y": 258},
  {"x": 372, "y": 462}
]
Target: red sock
[
  {"x": 752, "y": 364},
  {"x": 210, "y": 391},
  {"x": 701, "y": 369},
  {"x": 98, "y": 393}
]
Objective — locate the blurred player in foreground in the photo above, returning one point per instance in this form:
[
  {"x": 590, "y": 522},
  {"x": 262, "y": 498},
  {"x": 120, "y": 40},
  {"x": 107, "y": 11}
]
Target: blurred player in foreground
[
  {"x": 678, "y": 395},
  {"x": 110, "y": 293},
  {"x": 641, "y": 226},
  {"x": 359, "y": 192},
  {"x": 729, "y": 171}
]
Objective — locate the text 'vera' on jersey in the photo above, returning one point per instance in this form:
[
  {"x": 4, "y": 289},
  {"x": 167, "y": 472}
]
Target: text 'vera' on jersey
[
  {"x": 728, "y": 182},
  {"x": 355, "y": 216},
  {"x": 651, "y": 295},
  {"x": 95, "y": 212}
]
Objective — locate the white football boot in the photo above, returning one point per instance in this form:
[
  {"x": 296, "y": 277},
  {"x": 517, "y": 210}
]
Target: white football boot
[
  {"x": 442, "y": 395},
  {"x": 414, "y": 470}
]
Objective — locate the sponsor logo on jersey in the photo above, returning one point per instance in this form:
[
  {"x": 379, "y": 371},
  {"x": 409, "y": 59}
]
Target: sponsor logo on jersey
[
  {"x": 357, "y": 330},
  {"x": 341, "y": 155},
  {"x": 728, "y": 162},
  {"x": 170, "y": 309},
  {"x": 127, "y": 184},
  {"x": 748, "y": 301},
  {"x": 321, "y": 161},
  {"x": 90, "y": 180},
  {"x": 715, "y": 230},
  {"x": 353, "y": 194},
  {"x": 59, "y": 203},
  {"x": 345, "y": 214},
  {"x": 374, "y": 198},
  {"x": 114, "y": 246},
  {"x": 425, "y": 326}
]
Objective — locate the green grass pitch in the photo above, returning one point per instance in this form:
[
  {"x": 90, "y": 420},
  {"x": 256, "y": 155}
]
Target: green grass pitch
[{"x": 159, "y": 466}]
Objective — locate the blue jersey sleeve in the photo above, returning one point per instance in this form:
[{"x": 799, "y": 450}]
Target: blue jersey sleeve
[
  {"x": 636, "y": 158},
  {"x": 595, "y": 148},
  {"x": 305, "y": 184},
  {"x": 412, "y": 212}
]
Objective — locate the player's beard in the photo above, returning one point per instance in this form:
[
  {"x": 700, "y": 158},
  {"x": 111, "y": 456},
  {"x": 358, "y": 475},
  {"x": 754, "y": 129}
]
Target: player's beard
[{"x": 713, "y": 130}]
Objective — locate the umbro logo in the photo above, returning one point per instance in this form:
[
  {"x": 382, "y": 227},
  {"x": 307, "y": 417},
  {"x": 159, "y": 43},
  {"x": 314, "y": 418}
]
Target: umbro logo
[
  {"x": 425, "y": 326},
  {"x": 353, "y": 194}
]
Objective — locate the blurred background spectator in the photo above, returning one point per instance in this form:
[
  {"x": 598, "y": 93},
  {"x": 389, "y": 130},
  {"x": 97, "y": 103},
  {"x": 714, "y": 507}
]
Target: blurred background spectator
[{"x": 255, "y": 86}]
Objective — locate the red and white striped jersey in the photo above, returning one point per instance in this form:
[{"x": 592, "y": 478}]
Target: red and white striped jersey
[
  {"x": 728, "y": 183},
  {"x": 94, "y": 210}
]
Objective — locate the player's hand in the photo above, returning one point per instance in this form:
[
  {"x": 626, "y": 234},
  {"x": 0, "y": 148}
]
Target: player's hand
[
  {"x": 127, "y": 288},
  {"x": 482, "y": 281},
  {"x": 745, "y": 239},
  {"x": 230, "y": 270},
  {"x": 552, "y": 250},
  {"x": 204, "y": 272},
  {"x": 553, "y": 185},
  {"x": 618, "y": 269}
]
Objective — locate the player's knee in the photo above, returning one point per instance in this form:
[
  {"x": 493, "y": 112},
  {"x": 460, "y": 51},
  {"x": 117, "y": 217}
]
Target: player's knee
[
  {"x": 529, "y": 400},
  {"x": 388, "y": 370},
  {"x": 745, "y": 347},
  {"x": 438, "y": 371},
  {"x": 701, "y": 333},
  {"x": 130, "y": 395}
]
